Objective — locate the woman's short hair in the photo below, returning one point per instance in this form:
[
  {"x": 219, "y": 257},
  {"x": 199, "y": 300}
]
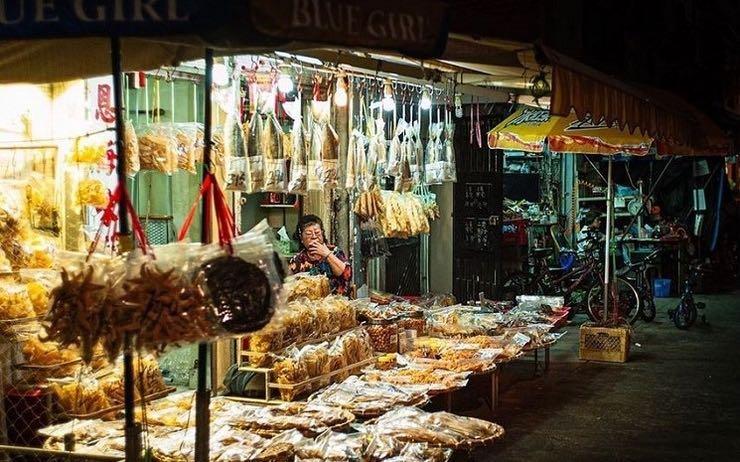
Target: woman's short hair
[{"x": 304, "y": 222}]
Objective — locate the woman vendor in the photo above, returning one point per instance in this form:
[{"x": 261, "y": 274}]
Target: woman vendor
[{"x": 316, "y": 256}]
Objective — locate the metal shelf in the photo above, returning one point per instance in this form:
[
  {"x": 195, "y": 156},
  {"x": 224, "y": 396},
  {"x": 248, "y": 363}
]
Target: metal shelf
[{"x": 592, "y": 199}]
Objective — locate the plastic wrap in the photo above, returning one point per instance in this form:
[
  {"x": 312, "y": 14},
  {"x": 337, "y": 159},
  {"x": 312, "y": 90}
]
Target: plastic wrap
[
  {"x": 437, "y": 428},
  {"x": 83, "y": 308},
  {"x": 92, "y": 192},
  {"x": 131, "y": 148},
  {"x": 158, "y": 148},
  {"x": 244, "y": 287},
  {"x": 189, "y": 146},
  {"x": 357, "y": 176},
  {"x": 313, "y": 287},
  {"x": 254, "y": 150},
  {"x": 365, "y": 398},
  {"x": 434, "y": 173},
  {"x": 275, "y": 164},
  {"x": 449, "y": 170},
  {"x": 15, "y": 302},
  {"x": 89, "y": 149},
  {"x": 236, "y": 160},
  {"x": 299, "y": 159}
]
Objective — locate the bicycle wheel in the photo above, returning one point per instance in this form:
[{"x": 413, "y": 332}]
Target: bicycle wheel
[
  {"x": 648, "y": 307},
  {"x": 519, "y": 283},
  {"x": 625, "y": 306},
  {"x": 684, "y": 315},
  {"x": 647, "y": 300}
]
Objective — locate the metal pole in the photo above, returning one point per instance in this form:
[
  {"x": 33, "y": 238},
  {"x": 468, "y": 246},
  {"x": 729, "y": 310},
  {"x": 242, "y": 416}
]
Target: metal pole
[
  {"x": 131, "y": 429},
  {"x": 608, "y": 237},
  {"x": 649, "y": 194},
  {"x": 203, "y": 393}
]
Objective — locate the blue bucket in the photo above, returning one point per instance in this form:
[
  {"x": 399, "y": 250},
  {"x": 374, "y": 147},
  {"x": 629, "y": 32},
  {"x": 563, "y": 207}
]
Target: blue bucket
[{"x": 661, "y": 288}]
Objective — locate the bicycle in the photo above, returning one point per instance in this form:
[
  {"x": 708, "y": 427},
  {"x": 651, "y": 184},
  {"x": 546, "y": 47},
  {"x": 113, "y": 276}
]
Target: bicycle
[
  {"x": 686, "y": 312},
  {"x": 575, "y": 278},
  {"x": 636, "y": 274}
]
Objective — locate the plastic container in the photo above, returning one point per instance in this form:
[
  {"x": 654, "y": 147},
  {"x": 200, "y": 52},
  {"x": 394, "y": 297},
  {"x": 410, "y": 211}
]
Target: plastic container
[{"x": 661, "y": 287}]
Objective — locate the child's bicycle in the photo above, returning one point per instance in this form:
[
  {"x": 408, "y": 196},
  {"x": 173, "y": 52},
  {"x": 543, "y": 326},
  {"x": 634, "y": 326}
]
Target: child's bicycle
[{"x": 685, "y": 314}]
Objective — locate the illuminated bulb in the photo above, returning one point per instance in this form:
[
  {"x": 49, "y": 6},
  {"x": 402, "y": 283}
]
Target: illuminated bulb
[
  {"x": 220, "y": 75},
  {"x": 340, "y": 95},
  {"x": 285, "y": 84},
  {"x": 426, "y": 101},
  {"x": 388, "y": 102}
]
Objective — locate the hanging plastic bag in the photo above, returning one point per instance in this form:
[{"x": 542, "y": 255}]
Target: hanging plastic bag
[
  {"x": 356, "y": 171},
  {"x": 299, "y": 160},
  {"x": 380, "y": 149},
  {"x": 433, "y": 155},
  {"x": 157, "y": 148},
  {"x": 415, "y": 153},
  {"x": 394, "y": 151},
  {"x": 131, "y": 148},
  {"x": 236, "y": 159},
  {"x": 275, "y": 166},
  {"x": 255, "y": 160},
  {"x": 449, "y": 171},
  {"x": 186, "y": 140},
  {"x": 329, "y": 158},
  {"x": 239, "y": 276}
]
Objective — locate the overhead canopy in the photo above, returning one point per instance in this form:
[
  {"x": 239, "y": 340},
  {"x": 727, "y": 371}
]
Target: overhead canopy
[
  {"x": 530, "y": 129},
  {"x": 680, "y": 127},
  {"x": 59, "y": 40}
]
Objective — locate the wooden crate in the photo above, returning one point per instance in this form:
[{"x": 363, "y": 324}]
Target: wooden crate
[{"x": 609, "y": 344}]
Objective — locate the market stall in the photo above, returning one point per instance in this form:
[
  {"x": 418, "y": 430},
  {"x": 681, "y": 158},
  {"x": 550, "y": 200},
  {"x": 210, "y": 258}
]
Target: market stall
[{"x": 99, "y": 303}]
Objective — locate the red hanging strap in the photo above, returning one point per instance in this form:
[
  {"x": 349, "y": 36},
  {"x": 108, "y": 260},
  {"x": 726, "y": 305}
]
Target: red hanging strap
[
  {"x": 109, "y": 217},
  {"x": 212, "y": 193},
  {"x": 205, "y": 189},
  {"x": 136, "y": 228}
]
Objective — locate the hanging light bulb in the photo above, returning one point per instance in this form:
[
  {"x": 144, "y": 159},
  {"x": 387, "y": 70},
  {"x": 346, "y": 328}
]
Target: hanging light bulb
[
  {"x": 388, "y": 102},
  {"x": 426, "y": 100},
  {"x": 285, "y": 83},
  {"x": 340, "y": 94}
]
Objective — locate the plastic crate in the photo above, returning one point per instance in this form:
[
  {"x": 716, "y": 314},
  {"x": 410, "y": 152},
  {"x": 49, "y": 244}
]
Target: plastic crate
[
  {"x": 662, "y": 288},
  {"x": 514, "y": 232},
  {"x": 608, "y": 344}
]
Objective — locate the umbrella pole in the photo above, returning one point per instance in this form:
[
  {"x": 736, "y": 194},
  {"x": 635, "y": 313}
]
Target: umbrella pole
[
  {"x": 203, "y": 393},
  {"x": 132, "y": 431},
  {"x": 608, "y": 237}
]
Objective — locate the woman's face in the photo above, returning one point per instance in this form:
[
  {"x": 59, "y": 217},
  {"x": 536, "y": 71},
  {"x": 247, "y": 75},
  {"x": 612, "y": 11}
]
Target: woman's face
[{"x": 312, "y": 233}]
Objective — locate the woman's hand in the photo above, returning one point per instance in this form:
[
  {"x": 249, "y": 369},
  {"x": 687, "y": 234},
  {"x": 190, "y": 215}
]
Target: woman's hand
[{"x": 320, "y": 249}]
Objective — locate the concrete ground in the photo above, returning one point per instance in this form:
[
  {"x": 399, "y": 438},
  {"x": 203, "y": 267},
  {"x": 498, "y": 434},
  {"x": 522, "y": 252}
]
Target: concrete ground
[{"x": 676, "y": 399}]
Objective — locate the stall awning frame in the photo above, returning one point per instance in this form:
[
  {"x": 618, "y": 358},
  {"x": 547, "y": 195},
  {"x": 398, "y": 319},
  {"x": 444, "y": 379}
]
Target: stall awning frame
[{"x": 530, "y": 129}]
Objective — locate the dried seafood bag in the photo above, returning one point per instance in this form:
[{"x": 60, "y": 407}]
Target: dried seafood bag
[
  {"x": 275, "y": 164},
  {"x": 243, "y": 282},
  {"x": 161, "y": 303},
  {"x": 378, "y": 149},
  {"x": 299, "y": 159},
  {"x": 89, "y": 149},
  {"x": 83, "y": 308},
  {"x": 395, "y": 150},
  {"x": 449, "y": 170},
  {"x": 157, "y": 148},
  {"x": 433, "y": 166},
  {"x": 254, "y": 151},
  {"x": 329, "y": 158},
  {"x": 131, "y": 148},
  {"x": 234, "y": 153},
  {"x": 15, "y": 302},
  {"x": 189, "y": 146}
]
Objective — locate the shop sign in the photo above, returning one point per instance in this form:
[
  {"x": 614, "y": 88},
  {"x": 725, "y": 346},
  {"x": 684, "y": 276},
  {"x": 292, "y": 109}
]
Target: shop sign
[
  {"x": 414, "y": 27},
  {"x": 24, "y": 19},
  {"x": 530, "y": 116}
]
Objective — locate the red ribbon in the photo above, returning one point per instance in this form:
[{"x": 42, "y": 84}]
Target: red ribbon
[
  {"x": 109, "y": 217},
  {"x": 212, "y": 193}
]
